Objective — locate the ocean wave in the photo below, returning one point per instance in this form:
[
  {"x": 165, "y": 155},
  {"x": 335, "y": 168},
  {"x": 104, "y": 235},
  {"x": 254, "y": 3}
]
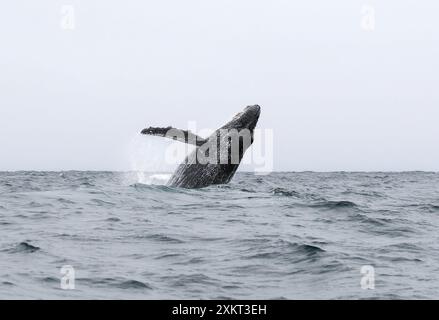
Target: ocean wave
[
  {"x": 50, "y": 280},
  {"x": 286, "y": 250},
  {"x": 308, "y": 249},
  {"x": 169, "y": 256},
  {"x": 23, "y": 247},
  {"x": 65, "y": 201},
  {"x": 132, "y": 284},
  {"x": 102, "y": 203},
  {"x": 375, "y": 221},
  {"x": 160, "y": 238},
  {"x": 113, "y": 219},
  {"x": 286, "y": 193},
  {"x": 120, "y": 283},
  {"x": 155, "y": 187},
  {"x": 34, "y": 204},
  {"x": 327, "y": 204},
  {"x": 257, "y": 237},
  {"x": 432, "y": 208},
  {"x": 185, "y": 280}
]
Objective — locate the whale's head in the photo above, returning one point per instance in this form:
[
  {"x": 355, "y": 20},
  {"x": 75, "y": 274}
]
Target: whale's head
[
  {"x": 246, "y": 119},
  {"x": 235, "y": 137}
]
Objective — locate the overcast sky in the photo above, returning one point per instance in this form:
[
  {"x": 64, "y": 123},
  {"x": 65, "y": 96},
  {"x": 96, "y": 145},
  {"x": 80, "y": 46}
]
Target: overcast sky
[{"x": 337, "y": 95}]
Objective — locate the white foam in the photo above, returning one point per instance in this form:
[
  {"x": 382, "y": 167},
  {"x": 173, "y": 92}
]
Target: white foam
[
  {"x": 148, "y": 161},
  {"x": 156, "y": 179}
]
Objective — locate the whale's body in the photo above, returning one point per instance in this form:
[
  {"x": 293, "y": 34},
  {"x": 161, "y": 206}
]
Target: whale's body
[{"x": 216, "y": 159}]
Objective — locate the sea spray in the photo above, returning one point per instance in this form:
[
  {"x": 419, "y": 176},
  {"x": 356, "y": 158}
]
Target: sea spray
[{"x": 152, "y": 160}]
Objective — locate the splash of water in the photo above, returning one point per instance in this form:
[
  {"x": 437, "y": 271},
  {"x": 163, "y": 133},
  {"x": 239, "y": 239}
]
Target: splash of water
[{"x": 150, "y": 159}]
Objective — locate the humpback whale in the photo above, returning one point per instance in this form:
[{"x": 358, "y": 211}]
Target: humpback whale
[{"x": 216, "y": 158}]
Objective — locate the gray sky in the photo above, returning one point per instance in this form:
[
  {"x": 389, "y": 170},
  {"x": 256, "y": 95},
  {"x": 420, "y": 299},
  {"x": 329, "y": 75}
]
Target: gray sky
[{"x": 338, "y": 97}]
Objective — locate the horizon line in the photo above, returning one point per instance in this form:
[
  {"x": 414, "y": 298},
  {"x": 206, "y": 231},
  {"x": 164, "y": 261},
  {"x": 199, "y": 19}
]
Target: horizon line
[{"x": 258, "y": 173}]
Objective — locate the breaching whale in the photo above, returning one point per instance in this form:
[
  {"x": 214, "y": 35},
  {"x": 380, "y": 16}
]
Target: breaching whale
[{"x": 216, "y": 158}]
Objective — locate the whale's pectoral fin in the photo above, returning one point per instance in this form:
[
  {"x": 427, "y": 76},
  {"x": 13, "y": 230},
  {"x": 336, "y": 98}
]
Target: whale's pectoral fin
[{"x": 175, "y": 134}]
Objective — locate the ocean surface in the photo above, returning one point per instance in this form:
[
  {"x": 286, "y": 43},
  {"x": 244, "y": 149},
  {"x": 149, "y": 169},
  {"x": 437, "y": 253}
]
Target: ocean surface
[{"x": 281, "y": 236}]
